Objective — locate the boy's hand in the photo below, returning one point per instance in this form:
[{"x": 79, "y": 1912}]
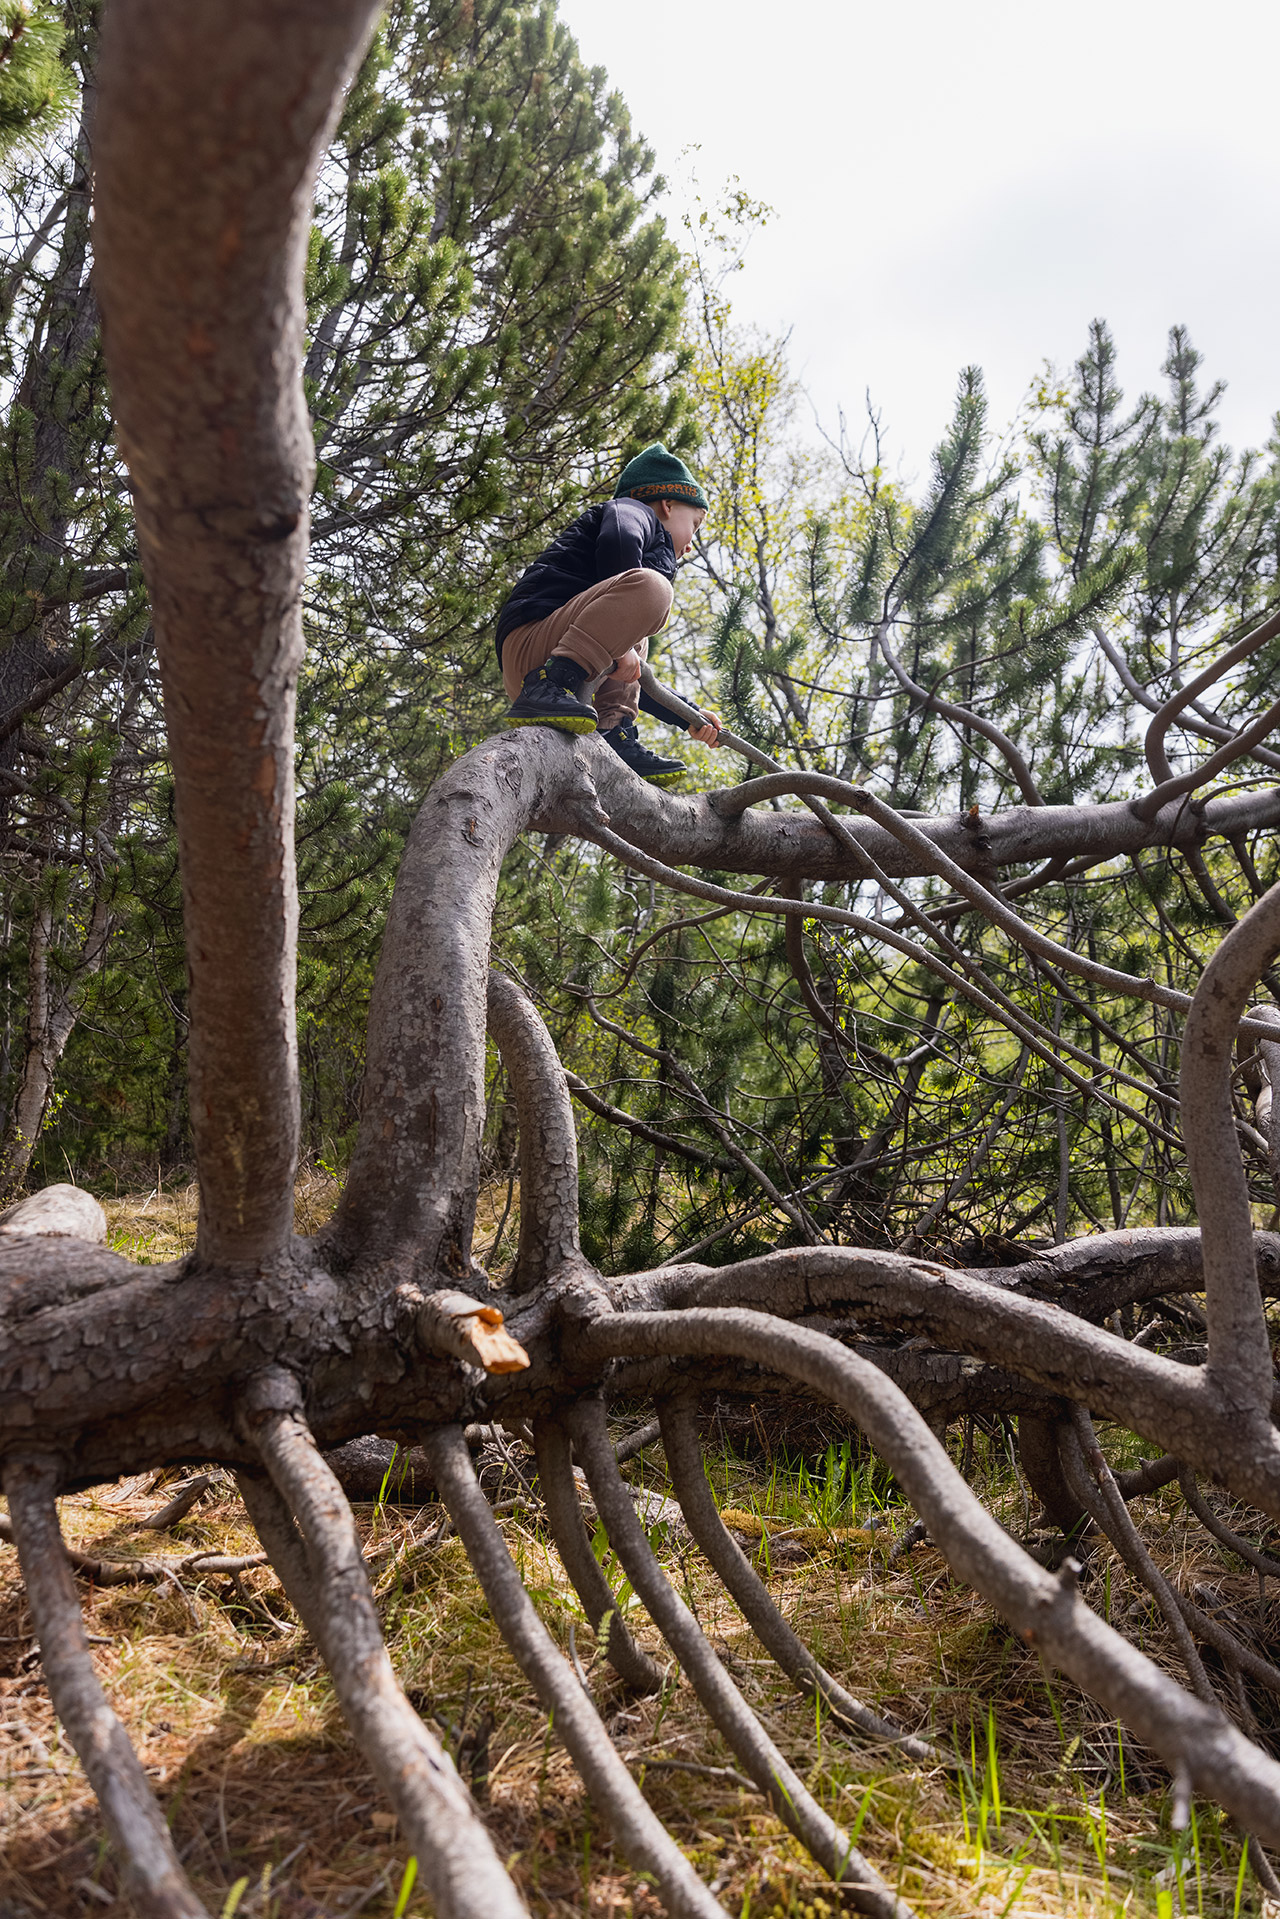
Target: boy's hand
[
  {"x": 627, "y": 668},
  {"x": 709, "y": 734}
]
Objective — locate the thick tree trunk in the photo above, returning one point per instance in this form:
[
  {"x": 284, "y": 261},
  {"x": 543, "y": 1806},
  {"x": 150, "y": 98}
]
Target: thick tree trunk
[{"x": 204, "y": 342}]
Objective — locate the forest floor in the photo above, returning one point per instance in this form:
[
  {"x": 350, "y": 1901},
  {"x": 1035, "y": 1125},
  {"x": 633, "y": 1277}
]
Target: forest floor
[{"x": 1044, "y": 1807}]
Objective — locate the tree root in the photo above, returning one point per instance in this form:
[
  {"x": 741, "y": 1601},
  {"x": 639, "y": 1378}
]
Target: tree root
[
  {"x": 688, "y": 1477},
  {"x": 724, "y": 1704},
  {"x": 155, "y": 1880}
]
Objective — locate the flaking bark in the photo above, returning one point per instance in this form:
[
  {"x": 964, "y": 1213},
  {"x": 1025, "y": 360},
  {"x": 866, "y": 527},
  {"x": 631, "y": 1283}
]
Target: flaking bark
[{"x": 260, "y": 1350}]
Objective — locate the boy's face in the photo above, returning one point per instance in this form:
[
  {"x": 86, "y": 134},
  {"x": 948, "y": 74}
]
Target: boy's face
[{"x": 681, "y": 521}]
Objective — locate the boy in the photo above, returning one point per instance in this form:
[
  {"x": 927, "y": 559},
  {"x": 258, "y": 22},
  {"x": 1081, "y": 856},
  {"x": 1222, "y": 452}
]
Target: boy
[{"x": 574, "y": 631}]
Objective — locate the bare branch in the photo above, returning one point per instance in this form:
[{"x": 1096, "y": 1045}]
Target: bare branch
[
  {"x": 1047, "y": 1613},
  {"x": 962, "y": 976},
  {"x": 1239, "y": 1363},
  {"x": 1106, "y": 1506},
  {"x": 689, "y": 1480},
  {"x": 1153, "y": 744},
  {"x": 976, "y": 1160},
  {"x": 1088, "y": 834},
  {"x": 798, "y": 1215},
  {"x": 967, "y": 1313},
  {"x": 155, "y": 1880},
  {"x": 148, "y": 1567},
  {"x": 410, "y": 1195},
  {"x": 961, "y": 715},
  {"x": 1260, "y": 1561},
  {"x": 1267, "y": 1106},
  {"x": 455, "y": 1855},
  {"x": 756, "y": 1752},
  {"x": 564, "y": 1516},
  {"x": 548, "y": 1140},
  {"x": 1202, "y": 723},
  {"x": 663, "y": 1141},
  {"x": 1235, "y": 749},
  {"x": 637, "y": 1831}
]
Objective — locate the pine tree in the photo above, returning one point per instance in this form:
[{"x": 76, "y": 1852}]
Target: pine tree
[
  {"x": 494, "y": 308},
  {"x": 37, "y": 87}
]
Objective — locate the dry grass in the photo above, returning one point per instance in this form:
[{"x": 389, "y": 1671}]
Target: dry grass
[
  {"x": 238, "y": 1728},
  {"x": 237, "y": 1724},
  {"x": 158, "y": 1226}
]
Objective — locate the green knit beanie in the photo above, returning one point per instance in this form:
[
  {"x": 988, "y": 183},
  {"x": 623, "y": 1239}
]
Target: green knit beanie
[{"x": 656, "y": 474}]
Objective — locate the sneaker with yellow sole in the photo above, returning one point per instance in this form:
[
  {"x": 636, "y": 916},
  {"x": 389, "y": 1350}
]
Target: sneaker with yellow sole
[{"x": 542, "y": 701}]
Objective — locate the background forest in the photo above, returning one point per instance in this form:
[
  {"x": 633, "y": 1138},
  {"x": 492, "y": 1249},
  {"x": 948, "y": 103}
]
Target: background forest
[
  {"x": 499, "y": 317},
  {"x": 1061, "y": 638}
]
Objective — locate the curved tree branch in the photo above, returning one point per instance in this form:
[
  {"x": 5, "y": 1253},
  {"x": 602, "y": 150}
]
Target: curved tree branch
[
  {"x": 455, "y": 1854},
  {"x": 1202, "y": 723},
  {"x": 548, "y": 1141},
  {"x": 1153, "y": 744},
  {"x": 1236, "y": 748},
  {"x": 724, "y": 1704},
  {"x": 155, "y": 1880},
  {"x": 564, "y": 1516},
  {"x": 1168, "y": 1403},
  {"x": 409, "y": 1199},
  {"x": 1106, "y": 1506},
  {"x": 1046, "y": 1613},
  {"x": 1239, "y": 1364},
  {"x": 961, "y": 715},
  {"x": 1261, "y": 1562},
  {"x": 638, "y": 1832},
  {"x": 689, "y": 1481}
]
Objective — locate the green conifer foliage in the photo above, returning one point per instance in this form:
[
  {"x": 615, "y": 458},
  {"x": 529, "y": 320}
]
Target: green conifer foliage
[
  {"x": 494, "y": 308},
  {"x": 857, "y": 627},
  {"x": 37, "y": 87}
]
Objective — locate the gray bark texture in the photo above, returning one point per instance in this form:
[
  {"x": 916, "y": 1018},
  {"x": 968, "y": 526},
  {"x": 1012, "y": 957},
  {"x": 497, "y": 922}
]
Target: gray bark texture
[
  {"x": 265, "y": 1352},
  {"x": 210, "y": 129}
]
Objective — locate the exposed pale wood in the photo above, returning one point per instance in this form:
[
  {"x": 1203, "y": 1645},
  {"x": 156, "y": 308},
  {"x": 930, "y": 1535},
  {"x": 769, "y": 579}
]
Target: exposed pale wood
[{"x": 455, "y": 1324}]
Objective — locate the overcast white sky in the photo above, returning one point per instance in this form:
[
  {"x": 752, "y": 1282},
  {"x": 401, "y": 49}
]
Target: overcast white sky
[{"x": 974, "y": 182}]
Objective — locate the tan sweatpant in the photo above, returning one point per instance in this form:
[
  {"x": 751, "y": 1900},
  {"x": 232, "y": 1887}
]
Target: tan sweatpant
[{"x": 595, "y": 629}]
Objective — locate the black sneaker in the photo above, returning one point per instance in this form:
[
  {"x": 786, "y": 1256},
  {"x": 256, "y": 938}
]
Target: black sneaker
[
  {"x": 625, "y": 742},
  {"x": 541, "y": 702}
]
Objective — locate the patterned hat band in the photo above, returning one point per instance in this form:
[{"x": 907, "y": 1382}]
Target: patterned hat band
[{"x": 666, "y": 490}]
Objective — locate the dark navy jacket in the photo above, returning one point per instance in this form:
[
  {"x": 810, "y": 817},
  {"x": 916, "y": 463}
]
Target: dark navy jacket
[{"x": 604, "y": 540}]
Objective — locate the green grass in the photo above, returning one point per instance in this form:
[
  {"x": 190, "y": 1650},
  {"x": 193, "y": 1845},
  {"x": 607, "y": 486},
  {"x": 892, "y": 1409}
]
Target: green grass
[{"x": 1050, "y": 1811}]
